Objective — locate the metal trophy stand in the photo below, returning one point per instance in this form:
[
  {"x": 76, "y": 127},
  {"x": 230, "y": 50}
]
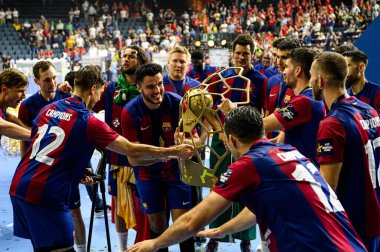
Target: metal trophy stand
[{"x": 100, "y": 176}]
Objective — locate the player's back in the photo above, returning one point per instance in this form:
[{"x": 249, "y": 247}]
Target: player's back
[
  {"x": 358, "y": 188},
  {"x": 57, "y": 156},
  {"x": 295, "y": 207}
]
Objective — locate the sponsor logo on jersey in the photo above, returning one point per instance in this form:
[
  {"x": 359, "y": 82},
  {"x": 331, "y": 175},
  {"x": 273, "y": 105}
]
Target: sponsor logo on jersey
[
  {"x": 145, "y": 205},
  {"x": 325, "y": 147},
  {"x": 288, "y": 113},
  {"x": 287, "y": 99},
  {"x": 224, "y": 178}
]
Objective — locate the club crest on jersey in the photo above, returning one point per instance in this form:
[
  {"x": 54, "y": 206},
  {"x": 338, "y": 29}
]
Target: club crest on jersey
[
  {"x": 224, "y": 178},
  {"x": 287, "y": 99},
  {"x": 166, "y": 126},
  {"x": 115, "y": 122},
  {"x": 288, "y": 113},
  {"x": 325, "y": 147},
  {"x": 145, "y": 205}
]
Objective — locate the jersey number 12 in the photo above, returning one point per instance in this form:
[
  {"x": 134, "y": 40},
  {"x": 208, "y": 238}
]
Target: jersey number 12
[{"x": 42, "y": 155}]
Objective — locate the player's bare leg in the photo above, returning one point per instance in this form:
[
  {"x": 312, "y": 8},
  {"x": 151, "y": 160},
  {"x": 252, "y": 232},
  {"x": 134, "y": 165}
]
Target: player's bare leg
[{"x": 79, "y": 230}]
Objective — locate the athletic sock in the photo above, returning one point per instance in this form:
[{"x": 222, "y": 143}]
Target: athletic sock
[{"x": 123, "y": 240}]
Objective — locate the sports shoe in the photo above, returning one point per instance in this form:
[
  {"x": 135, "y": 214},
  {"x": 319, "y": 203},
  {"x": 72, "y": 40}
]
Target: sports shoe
[
  {"x": 212, "y": 246},
  {"x": 245, "y": 246}
]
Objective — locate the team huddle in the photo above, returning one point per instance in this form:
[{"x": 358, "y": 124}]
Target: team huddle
[{"x": 304, "y": 161}]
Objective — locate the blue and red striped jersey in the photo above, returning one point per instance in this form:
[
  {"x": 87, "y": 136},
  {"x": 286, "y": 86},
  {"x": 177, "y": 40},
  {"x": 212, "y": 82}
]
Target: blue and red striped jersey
[
  {"x": 370, "y": 94},
  {"x": 277, "y": 94},
  {"x": 153, "y": 127},
  {"x": 185, "y": 84},
  {"x": 268, "y": 72},
  {"x": 271, "y": 71},
  {"x": 256, "y": 89},
  {"x": 31, "y": 106},
  {"x": 112, "y": 117},
  {"x": 64, "y": 136},
  {"x": 300, "y": 118},
  {"x": 201, "y": 76},
  {"x": 350, "y": 134},
  {"x": 295, "y": 208}
]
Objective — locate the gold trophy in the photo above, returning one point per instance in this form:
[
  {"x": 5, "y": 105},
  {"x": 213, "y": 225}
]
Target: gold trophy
[{"x": 196, "y": 107}]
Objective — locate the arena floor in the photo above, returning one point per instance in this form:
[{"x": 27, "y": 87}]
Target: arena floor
[{"x": 8, "y": 242}]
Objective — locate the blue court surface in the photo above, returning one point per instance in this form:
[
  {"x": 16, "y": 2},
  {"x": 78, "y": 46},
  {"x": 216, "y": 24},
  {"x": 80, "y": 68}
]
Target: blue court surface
[{"x": 8, "y": 242}]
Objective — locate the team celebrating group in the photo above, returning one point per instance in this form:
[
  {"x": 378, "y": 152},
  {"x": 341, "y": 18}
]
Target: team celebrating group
[{"x": 304, "y": 161}]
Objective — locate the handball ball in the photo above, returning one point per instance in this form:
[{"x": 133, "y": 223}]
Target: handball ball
[{"x": 199, "y": 99}]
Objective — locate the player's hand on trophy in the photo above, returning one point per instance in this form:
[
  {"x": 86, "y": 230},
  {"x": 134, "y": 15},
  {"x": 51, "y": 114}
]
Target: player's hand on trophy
[
  {"x": 178, "y": 137},
  {"x": 226, "y": 105},
  {"x": 222, "y": 138},
  {"x": 185, "y": 151},
  {"x": 64, "y": 87}
]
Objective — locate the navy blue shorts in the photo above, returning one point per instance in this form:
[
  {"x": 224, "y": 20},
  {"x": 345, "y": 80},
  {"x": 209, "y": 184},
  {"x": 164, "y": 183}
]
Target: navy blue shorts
[
  {"x": 75, "y": 199},
  {"x": 372, "y": 244},
  {"x": 45, "y": 227},
  {"x": 154, "y": 194}
]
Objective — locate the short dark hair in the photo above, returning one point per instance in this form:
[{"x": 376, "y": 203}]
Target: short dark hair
[
  {"x": 303, "y": 57},
  {"x": 149, "y": 69},
  {"x": 70, "y": 77},
  {"x": 277, "y": 41},
  {"x": 333, "y": 65},
  {"x": 289, "y": 44},
  {"x": 356, "y": 56},
  {"x": 13, "y": 78},
  {"x": 88, "y": 76},
  {"x": 197, "y": 55},
  {"x": 245, "y": 123},
  {"x": 141, "y": 55},
  {"x": 41, "y": 66},
  {"x": 243, "y": 40},
  {"x": 345, "y": 47}
]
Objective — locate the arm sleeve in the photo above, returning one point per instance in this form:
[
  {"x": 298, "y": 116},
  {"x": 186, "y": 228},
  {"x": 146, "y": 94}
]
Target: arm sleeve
[
  {"x": 100, "y": 133},
  {"x": 295, "y": 113},
  {"x": 129, "y": 130},
  {"x": 239, "y": 177},
  {"x": 24, "y": 115},
  {"x": 331, "y": 141}
]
